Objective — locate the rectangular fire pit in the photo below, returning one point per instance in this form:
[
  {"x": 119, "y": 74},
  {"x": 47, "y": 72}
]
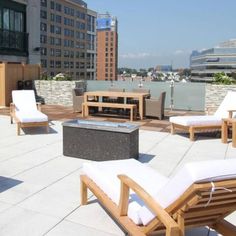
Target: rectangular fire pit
[{"x": 100, "y": 141}]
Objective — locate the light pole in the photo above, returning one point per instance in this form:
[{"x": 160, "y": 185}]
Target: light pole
[{"x": 172, "y": 85}]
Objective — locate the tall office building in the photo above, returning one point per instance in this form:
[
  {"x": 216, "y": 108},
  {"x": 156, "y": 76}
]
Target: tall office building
[
  {"x": 19, "y": 34},
  {"x": 68, "y": 38},
  {"x": 222, "y": 58},
  {"x": 107, "y": 47}
]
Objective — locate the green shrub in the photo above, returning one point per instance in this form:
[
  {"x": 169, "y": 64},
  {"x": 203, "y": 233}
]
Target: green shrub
[{"x": 222, "y": 78}]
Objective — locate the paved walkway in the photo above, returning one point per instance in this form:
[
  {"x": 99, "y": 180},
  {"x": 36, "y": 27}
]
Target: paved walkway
[{"x": 39, "y": 187}]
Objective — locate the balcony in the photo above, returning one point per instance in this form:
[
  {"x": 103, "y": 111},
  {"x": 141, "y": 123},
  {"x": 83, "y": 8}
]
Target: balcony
[{"x": 13, "y": 43}]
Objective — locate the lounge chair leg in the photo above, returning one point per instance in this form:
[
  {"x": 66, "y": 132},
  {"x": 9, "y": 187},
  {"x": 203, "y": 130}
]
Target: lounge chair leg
[
  {"x": 83, "y": 192},
  {"x": 173, "y": 232},
  {"x": 225, "y": 228},
  {"x": 18, "y": 128},
  {"x": 181, "y": 224},
  {"x": 191, "y": 132},
  {"x": 172, "y": 130},
  {"x": 224, "y": 131},
  {"x": 47, "y": 128}
]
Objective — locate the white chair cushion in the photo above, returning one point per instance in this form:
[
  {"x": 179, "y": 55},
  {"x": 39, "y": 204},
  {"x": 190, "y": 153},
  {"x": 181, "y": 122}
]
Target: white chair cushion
[
  {"x": 165, "y": 191},
  {"x": 196, "y": 120},
  {"x": 229, "y": 103},
  {"x": 31, "y": 116},
  {"x": 189, "y": 174},
  {"x": 104, "y": 174},
  {"x": 24, "y": 100}
]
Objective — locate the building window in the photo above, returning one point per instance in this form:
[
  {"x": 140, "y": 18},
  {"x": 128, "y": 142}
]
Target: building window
[
  {"x": 58, "y": 64},
  {"x": 52, "y": 5},
  {"x": 44, "y": 51},
  {"x": 82, "y": 65},
  {"x": 43, "y": 39},
  {"x": 57, "y": 30},
  {"x": 52, "y": 52},
  {"x": 44, "y": 63},
  {"x": 52, "y": 17},
  {"x": 52, "y": 29},
  {"x": 43, "y": 27},
  {"x": 44, "y": 3},
  {"x": 58, "y": 19},
  {"x": 66, "y": 53},
  {"x": 58, "y": 52},
  {"x": 52, "y": 40},
  {"x": 66, "y": 64},
  {"x": 58, "y": 7},
  {"x": 52, "y": 64},
  {"x": 43, "y": 14},
  {"x": 58, "y": 41},
  {"x": 11, "y": 20}
]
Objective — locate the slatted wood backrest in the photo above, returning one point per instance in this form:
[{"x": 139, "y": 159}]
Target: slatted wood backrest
[
  {"x": 202, "y": 206},
  {"x": 197, "y": 208}
]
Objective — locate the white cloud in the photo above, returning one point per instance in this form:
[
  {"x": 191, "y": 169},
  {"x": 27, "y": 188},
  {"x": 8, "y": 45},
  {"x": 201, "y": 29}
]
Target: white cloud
[
  {"x": 179, "y": 51},
  {"x": 135, "y": 55}
]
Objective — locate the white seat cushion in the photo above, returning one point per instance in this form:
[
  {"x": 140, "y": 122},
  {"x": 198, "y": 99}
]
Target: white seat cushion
[
  {"x": 24, "y": 100},
  {"x": 31, "y": 116},
  {"x": 104, "y": 174},
  {"x": 189, "y": 174},
  {"x": 196, "y": 120}
]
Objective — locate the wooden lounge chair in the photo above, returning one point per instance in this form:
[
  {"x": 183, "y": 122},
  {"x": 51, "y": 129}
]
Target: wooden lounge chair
[
  {"x": 25, "y": 111},
  {"x": 144, "y": 202},
  {"x": 192, "y": 124}
]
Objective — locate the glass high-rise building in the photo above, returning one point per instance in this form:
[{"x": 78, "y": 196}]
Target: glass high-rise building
[{"x": 222, "y": 58}]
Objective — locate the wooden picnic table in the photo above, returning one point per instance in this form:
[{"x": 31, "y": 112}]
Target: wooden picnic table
[{"x": 139, "y": 96}]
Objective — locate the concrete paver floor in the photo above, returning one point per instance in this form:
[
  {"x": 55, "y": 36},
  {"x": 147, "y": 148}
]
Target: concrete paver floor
[{"x": 39, "y": 187}]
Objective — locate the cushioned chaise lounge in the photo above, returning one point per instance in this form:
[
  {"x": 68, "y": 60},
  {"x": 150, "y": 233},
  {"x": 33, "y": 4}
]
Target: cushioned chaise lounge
[
  {"x": 144, "y": 201},
  {"x": 25, "y": 111},
  {"x": 208, "y": 122}
]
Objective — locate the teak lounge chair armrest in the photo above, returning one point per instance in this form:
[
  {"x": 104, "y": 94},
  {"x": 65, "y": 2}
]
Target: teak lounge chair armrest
[{"x": 127, "y": 183}]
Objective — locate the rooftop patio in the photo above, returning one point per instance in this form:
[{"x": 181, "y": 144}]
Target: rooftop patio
[{"x": 39, "y": 187}]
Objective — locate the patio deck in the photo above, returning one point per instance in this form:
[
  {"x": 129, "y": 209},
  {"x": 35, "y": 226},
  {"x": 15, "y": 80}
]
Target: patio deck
[{"x": 39, "y": 187}]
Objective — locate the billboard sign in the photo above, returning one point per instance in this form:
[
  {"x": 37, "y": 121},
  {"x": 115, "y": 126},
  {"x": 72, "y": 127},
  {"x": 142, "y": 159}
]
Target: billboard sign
[{"x": 104, "y": 23}]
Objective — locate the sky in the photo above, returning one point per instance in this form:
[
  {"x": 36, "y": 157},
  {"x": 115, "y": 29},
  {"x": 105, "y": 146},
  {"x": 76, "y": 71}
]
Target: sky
[{"x": 157, "y": 32}]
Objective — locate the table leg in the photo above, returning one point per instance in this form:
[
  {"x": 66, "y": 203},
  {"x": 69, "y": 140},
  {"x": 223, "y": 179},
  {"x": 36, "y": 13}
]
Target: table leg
[
  {"x": 141, "y": 107},
  {"x": 224, "y": 131},
  {"x": 234, "y": 134},
  {"x": 131, "y": 114}
]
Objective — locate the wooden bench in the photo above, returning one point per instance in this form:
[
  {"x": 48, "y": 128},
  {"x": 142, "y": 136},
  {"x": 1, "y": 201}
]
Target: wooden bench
[{"x": 132, "y": 107}]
